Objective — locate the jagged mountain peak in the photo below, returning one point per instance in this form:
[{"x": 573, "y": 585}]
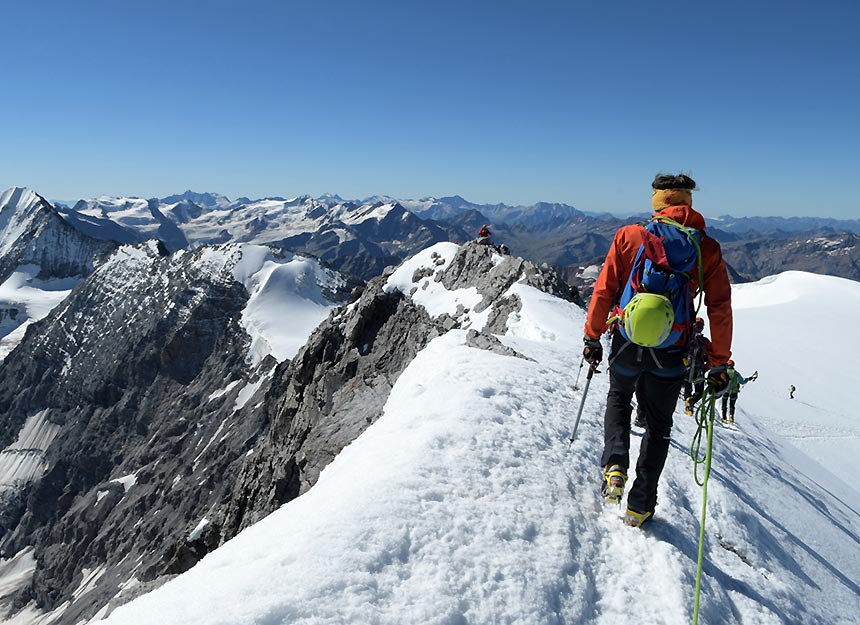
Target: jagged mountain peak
[{"x": 20, "y": 198}]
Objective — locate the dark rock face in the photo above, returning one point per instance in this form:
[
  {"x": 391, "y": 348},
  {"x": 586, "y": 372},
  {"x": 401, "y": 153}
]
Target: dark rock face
[
  {"x": 330, "y": 393},
  {"x": 374, "y": 244},
  {"x": 480, "y": 340},
  {"x": 835, "y": 254},
  {"x": 143, "y": 371}
]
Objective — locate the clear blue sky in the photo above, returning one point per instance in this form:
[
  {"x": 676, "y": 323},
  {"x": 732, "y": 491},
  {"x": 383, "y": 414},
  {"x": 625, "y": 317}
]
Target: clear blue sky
[{"x": 497, "y": 101}]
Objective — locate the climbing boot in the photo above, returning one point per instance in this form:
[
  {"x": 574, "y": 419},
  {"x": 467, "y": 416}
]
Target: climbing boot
[
  {"x": 614, "y": 480},
  {"x": 636, "y": 519}
]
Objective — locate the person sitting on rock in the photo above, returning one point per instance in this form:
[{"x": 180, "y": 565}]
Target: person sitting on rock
[{"x": 484, "y": 235}]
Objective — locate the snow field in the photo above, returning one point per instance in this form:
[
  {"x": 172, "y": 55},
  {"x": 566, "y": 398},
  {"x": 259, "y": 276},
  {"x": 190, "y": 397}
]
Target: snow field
[
  {"x": 33, "y": 297},
  {"x": 796, "y": 329},
  {"x": 286, "y": 301}
]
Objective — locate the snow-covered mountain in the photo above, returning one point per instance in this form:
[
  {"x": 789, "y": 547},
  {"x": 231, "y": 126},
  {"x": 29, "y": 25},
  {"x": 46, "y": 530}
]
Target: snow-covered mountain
[
  {"x": 360, "y": 238},
  {"x": 464, "y": 503},
  {"x": 536, "y": 216},
  {"x": 32, "y": 233},
  {"x": 784, "y": 225},
  {"x": 407, "y": 463},
  {"x": 41, "y": 259}
]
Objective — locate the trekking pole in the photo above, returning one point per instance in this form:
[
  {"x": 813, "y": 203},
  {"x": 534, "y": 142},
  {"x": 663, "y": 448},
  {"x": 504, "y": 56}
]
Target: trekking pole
[
  {"x": 576, "y": 382},
  {"x": 591, "y": 369}
]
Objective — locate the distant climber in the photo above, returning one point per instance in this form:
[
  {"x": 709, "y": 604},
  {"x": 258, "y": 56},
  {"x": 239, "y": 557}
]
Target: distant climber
[
  {"x": 484, "y": 235},
  {"x": 649, "y": 338},
  {"x": 736, "y": 381},
  {"x": 697, "y": 364},
  {"x": 791, "y": 390}
]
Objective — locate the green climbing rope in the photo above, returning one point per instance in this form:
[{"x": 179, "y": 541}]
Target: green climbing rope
[{"x": 704, "y": 415}]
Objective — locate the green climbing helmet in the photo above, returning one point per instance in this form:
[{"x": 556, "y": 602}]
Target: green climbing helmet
[{"x": 648, "y": 319}]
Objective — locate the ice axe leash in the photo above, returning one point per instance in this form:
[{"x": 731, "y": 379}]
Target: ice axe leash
[{"x": 592, "y": 367}]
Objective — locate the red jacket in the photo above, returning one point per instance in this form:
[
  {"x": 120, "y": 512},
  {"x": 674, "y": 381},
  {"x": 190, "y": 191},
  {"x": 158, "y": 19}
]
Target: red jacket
[{"x": 619, "y": 263}]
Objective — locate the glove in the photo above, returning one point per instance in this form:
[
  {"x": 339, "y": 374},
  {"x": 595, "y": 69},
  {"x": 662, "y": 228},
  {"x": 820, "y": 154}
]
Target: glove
[
  {"x": 718, "y": 379},
  {"x": 593, "y": 350}
]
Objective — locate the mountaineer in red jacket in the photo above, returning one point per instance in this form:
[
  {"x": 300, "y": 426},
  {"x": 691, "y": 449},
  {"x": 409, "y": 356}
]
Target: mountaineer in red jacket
[{"x": 658, "y": 371}]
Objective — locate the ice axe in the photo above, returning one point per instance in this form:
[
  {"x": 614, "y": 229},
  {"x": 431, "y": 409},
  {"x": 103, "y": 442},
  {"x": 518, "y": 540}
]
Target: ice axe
[{"x": 592, "y": 367}]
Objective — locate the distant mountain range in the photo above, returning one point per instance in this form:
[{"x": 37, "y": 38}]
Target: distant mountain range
[{"x": 361, "y": 237}]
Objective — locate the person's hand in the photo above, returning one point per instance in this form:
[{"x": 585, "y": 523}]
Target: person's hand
[
  {"x": 593, "y": 350},
  {"x": 718, "y": 379}
]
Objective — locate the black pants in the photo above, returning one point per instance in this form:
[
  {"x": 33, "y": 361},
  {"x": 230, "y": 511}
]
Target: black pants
[
  {"x": 659, "y": 375},
  {"x": 694, "y": 391},
  {"x": 731, "y": 399}
]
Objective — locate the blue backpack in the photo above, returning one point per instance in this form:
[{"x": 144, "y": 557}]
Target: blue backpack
[{"x": 664, "y": 264}]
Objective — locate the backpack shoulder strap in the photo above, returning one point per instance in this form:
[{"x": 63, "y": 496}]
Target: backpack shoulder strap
[{"x": 696, "y": 241}]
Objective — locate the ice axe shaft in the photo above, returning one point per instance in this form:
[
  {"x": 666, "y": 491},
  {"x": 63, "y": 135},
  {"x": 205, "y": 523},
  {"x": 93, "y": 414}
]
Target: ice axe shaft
[{"x": 591, "y": 369}]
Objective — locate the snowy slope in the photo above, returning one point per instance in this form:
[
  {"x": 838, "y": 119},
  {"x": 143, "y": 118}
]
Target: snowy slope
[
  {"x": 464, "y": 504},
  {"x": 24, "y": 299},
  {"x": 288, "y": 299},
  {"x": 795, "y": 329}
]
